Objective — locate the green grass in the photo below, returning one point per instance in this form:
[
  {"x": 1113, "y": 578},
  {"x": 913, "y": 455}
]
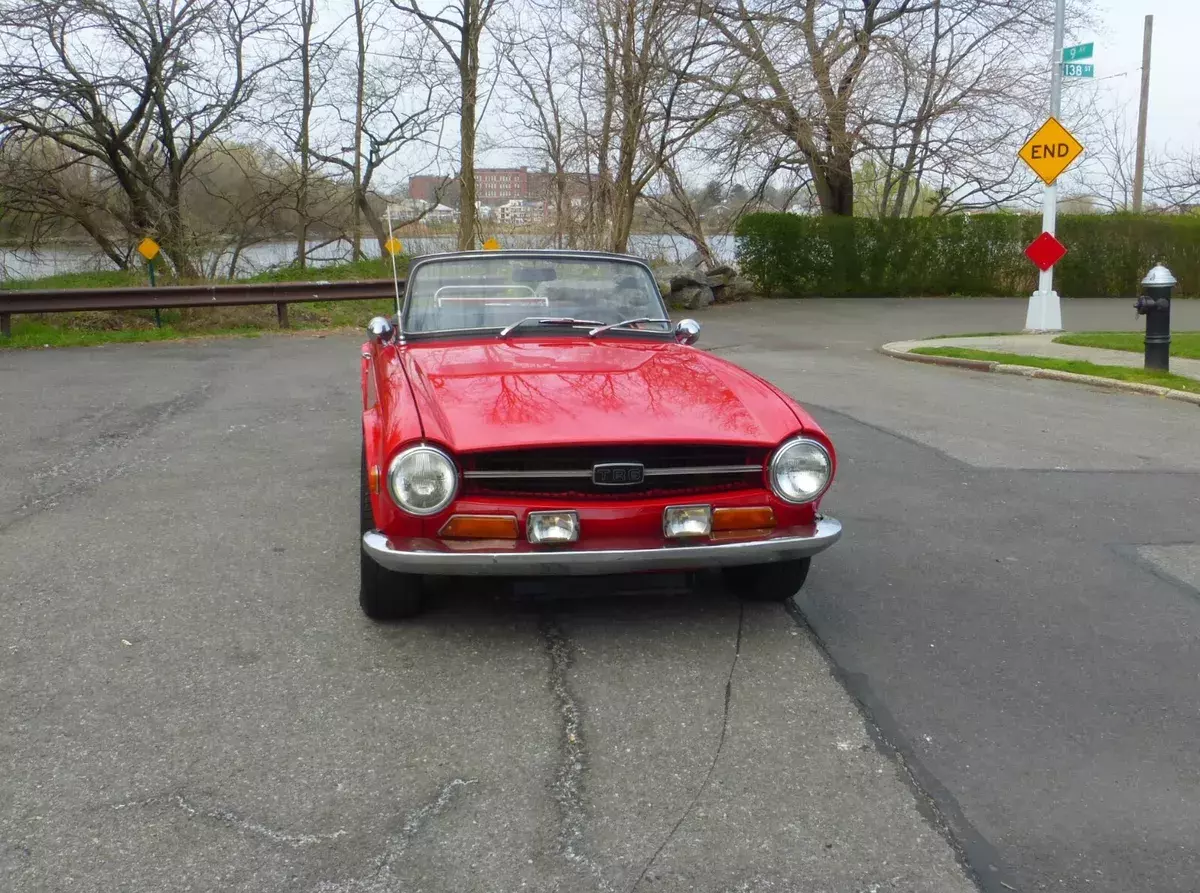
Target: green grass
[
  {"x": 31, "y": 333},
  {"x": 371, "y": 268},
  {"x": 1080, "y": 367},
  {"x": 1183, "y": 344},
  {"x": 104, "y": 327},
  {"x": 93, "y": 279}
]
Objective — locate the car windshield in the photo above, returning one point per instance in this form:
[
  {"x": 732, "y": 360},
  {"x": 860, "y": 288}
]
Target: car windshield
[{"x": 500, "y": 290}]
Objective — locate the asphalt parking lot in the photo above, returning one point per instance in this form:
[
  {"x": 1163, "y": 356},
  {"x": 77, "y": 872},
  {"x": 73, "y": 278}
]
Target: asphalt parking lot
[{"x": 991, "y": 681}]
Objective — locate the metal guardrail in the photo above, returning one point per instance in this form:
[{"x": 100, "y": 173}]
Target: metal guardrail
[{"x": 154, "y": 298}]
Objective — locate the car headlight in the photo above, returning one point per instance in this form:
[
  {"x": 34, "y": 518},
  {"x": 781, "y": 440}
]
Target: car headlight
[
  {"x": 800, "y": 470},
  {"x": 422, "y": 480}
]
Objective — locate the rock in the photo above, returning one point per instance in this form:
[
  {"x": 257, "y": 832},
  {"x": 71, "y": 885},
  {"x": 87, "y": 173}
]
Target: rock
[
  {"x": 721, "y": 275},
  {"x": 691, "y": 297},
  {"x": 738, "y": 289},
  {"x": 687, "y": 279}
]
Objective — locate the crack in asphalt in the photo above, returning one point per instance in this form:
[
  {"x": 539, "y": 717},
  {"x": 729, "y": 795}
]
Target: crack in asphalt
[
  {"x": 78, "y": 468},
  {"x": 737, "y": 651},
  {"x": 568, "y": 781},
  {"x": 383, "y": 880},
  {"x": 233, "y": 820}
]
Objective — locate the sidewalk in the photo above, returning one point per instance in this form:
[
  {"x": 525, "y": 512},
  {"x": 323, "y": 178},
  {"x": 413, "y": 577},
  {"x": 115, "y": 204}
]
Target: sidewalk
[{"x": 1044, "y": 346}]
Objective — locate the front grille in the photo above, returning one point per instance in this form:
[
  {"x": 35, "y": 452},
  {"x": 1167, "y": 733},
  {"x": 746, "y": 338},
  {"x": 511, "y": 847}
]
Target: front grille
[{"x": 671, "y": 470}]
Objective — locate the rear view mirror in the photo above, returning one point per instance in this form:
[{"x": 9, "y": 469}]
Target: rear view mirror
[{"x": 687, "y": 331}]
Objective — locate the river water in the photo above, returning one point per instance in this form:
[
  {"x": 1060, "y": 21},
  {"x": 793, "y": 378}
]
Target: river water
[{"x": 21, "y": 263}]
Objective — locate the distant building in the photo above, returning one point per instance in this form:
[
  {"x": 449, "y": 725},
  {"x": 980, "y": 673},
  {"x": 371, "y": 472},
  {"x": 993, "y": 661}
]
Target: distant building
[
  {"x": 429, "y": 187},
  {"x": 521, "y": 213},
  {"x": 498, "y": 185},
  {"x": 495, "y": 186},
  {"x": 411, "y": 209}
]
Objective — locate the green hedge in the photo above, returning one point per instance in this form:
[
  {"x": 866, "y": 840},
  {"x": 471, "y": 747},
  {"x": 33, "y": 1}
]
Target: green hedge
[{"x": 787, "y": 255}]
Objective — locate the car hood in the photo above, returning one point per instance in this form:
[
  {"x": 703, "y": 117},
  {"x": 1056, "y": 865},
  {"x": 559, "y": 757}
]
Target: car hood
[{"x": 498, "y": 394}]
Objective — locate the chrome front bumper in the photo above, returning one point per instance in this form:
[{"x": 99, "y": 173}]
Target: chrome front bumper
[{"x": 427, "y": 556}]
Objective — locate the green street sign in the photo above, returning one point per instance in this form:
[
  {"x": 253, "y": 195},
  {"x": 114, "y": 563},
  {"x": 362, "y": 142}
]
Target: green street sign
[
  {"x": 1075, "y": 53},
  {"x": 1075, "y": 70}
]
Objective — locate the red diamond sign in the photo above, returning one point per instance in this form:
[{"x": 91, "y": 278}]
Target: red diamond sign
[{"x": 1045, "y": 251}]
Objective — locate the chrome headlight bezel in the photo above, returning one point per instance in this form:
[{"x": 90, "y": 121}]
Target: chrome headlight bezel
[
  {"x": 781, "y": 453},
  {"x": 396, "y": 468}
]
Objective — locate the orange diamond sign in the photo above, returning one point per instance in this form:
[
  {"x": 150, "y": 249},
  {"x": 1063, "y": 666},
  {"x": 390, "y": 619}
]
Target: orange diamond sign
[
  {"x": 148, "y": 248},
  {"x": 492, "y": 244},
  {"x": 1050, "y": 151},
  {"x": 393, "y": 246}
]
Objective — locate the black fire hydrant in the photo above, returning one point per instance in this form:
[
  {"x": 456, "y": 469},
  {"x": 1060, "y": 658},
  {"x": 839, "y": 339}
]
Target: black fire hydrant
[{"x": 1155, "y": 304}]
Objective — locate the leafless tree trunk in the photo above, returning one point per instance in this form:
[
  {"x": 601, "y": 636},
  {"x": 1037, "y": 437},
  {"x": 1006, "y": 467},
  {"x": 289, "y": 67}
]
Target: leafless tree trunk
[
  {"x": 307, "y": 14},
  {"x": 458, "y": 31},
  {"x": 357, "y": 196}
]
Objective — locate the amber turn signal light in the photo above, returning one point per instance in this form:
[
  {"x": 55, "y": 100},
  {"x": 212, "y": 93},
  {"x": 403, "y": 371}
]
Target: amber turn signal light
[
  {"x": 480, "y": 527},
  {"x": 743, "y": 518},
  {"x": 373, "y": 478}
]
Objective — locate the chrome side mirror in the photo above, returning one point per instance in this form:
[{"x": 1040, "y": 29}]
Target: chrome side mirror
[
  {"x": 380, "y": 330},
  {"x": 687, "y": 331}
]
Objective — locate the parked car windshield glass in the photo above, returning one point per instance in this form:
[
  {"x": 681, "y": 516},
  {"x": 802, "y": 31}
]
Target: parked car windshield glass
[{"x": 499, "y": 290}]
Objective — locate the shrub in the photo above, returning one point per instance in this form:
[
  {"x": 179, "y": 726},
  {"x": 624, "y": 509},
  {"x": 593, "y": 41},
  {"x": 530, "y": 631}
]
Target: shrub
[{"x": 787, "y": 255}]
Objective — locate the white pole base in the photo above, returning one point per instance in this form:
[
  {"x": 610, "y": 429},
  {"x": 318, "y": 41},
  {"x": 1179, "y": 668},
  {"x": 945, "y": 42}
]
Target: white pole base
[{"x": 1044, "y": 314}]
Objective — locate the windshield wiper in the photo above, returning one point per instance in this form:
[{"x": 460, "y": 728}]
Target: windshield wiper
[
  {"x": 549, "y": 321},
  {"x": 625, "y": 322}
]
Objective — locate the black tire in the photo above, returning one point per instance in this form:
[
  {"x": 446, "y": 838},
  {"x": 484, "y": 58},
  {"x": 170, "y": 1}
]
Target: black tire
[
  {"x": 768, "y": 582},
  {"x": 383, "y": 594}
]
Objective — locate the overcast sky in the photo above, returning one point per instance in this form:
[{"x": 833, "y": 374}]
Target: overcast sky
[{"x": 1174, "y": 120}]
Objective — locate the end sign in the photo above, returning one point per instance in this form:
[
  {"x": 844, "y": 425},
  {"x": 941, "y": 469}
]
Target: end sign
[{"x": 1050, "y": 151}]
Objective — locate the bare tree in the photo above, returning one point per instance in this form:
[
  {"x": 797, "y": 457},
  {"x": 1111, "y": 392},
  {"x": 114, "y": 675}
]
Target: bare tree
[
  {"x": 934, "y": 90},
  {"x": 391, "y": 101},
  {"x": 679, "y": 212},
  {"x": 542, "y": 65},
  {"x": 640, "y": 100},
  {"x": 138, "y": 89},
  {"x": 458, "y": 29}
]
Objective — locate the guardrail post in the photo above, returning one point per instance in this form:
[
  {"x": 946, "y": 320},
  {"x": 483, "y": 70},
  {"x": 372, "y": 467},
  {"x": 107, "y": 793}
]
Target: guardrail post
[
  {"x": 281, "y": 312},
  {"x": 6, "y": 325}
]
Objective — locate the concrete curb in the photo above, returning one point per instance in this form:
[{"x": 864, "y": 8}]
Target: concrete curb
[{"x": 898, "y": 352}]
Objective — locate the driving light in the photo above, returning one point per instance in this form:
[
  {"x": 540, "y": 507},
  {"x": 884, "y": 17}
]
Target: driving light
[
  {"x": 681, "y": 521},
  {"x": 800, "y": 470},
  {"x": 422, "y": 480},
  {"x": 552, "y": 527}
]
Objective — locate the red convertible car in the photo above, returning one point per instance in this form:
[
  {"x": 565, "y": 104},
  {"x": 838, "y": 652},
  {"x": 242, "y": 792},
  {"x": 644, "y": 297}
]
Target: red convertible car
[{"x": 536, "y": 412}]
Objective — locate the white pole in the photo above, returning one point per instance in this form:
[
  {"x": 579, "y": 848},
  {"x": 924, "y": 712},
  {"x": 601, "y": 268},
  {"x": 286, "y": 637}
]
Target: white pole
[{"x": 1045, "y": 312}]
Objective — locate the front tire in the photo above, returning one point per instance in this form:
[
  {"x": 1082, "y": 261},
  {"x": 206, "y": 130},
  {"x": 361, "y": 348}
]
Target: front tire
[
  {"x": 767, "y": 582},
  {"x": 382, "y": 594}
]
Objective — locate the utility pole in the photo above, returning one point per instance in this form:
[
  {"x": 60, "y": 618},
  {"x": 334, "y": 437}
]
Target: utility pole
[
  {"x": 1139, "y": 171},
  {"x": 1045, "y": 312}
]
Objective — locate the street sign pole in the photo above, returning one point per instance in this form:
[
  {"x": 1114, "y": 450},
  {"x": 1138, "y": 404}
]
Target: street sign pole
[{"x": 1045, "y": 313}]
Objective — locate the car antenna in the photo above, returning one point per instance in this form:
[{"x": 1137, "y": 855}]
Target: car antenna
[{"x": 395, "y": 275}]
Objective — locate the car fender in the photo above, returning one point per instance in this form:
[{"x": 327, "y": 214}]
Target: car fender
[{"x": 390, "y": 419}]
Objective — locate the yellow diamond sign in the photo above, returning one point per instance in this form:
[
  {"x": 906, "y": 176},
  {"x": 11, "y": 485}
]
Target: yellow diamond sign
[
  {"x": 491, "y": 245},
  {"x": 1050, "y": 151},
  {"x": 148, "y": 248},
  {"x": 393, "y": 246}
]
